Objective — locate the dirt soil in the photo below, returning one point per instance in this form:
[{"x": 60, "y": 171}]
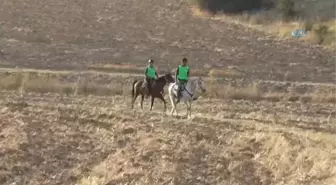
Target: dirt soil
[
  {"x": 74, "y": 34},
  {"x": 58, "y": 139},
  {"x": 55, "y": 139}
]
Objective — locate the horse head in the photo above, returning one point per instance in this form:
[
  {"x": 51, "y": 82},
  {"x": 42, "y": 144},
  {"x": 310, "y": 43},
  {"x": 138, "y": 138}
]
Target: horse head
[
  {"x": 201, "y": 84},
  {"x": 169, "y": 78}
]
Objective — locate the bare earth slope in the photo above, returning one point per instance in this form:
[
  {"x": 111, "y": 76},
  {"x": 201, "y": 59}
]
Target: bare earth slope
[
  {"x": 73, "y": 34},
  {"x": 63, "y": 139},
  {"x": 53, "y": 139}
]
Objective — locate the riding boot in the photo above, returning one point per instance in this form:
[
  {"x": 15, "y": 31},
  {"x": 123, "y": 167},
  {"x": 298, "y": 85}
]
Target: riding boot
[
  {"x": 178, "y": 96},
  {"x": 148, "y": 89},
  {"x": 149, "y": 92}
]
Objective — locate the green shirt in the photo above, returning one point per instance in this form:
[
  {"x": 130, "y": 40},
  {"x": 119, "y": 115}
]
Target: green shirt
[
  {"x": 183, "y": 72},
  {"x": 151, "y": 72}
]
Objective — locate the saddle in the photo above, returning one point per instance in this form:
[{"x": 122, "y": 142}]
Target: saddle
[
  {"x": 144, "y": 84},
  {"x": 182, "y": 87},
  {"x": 179, "y": 88}
]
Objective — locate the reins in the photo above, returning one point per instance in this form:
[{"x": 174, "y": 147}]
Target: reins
[{"x": 185, "y": 88}]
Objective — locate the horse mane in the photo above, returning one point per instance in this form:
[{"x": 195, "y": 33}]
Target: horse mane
[
  {"x": 162, "y": 76},
  {"x": 193, "y": 78}
]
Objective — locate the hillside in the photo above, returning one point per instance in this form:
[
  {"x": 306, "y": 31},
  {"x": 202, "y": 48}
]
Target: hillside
[
  {"x": 304, "y": 9},
  {"x": 267, "y": 117},
  {"x": 76, "y": 34},
  {"x": 50, "y": 136}
]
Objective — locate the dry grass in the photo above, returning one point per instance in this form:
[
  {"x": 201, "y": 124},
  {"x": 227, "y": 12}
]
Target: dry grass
[
  {"x": 86, "y": 84},
  {"x": 99, "y": 140},
  {"x": 43, "y": 83},
  {"x": 53, "y": 133},
  {"x": 229, "y": 92},
  {"x": 282, "y": 29},
  {"x": 134, "y": 69},
  {"x": 309, "y": 97},
  {"x": 63, "y": 43},
  {"x": 253, "y": 92},
  {"x": 260, "y": 158},
  {"x": 225, "y": 73},
  {"x": 92, "y": 141},
  {"x": 123, "y": 68}
]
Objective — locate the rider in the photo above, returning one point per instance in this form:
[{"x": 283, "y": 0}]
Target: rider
[
  {"x": 150, "y": 75},
  {"x": 182, "y": 76}
]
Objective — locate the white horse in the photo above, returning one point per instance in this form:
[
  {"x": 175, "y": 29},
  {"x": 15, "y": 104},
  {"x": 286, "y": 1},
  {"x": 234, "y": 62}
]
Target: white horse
[{"x": 187, "y": 94}]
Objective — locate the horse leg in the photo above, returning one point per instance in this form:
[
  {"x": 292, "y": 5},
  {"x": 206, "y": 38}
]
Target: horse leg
[
  {"x": 172, "y": 100},
  {"x": 142, "y": 99},
  {"x": 152, "y": 102},
  {"x": 175, "y": 110},
  {"x": 173, "y": 107},
  {"x": 164, "y": 101},
  {"x": 175, "y": 102},
  {"x": 190, "y": 109},
  {"x": 187, "y": 107},
  {"x": 134, "y": 98}
]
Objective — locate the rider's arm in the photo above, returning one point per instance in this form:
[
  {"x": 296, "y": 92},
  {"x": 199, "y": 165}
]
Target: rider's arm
[
  {"x": 177, "y": 72},
  {"x": 188, "y": 73},
  {"x": 146, "y": 71}
]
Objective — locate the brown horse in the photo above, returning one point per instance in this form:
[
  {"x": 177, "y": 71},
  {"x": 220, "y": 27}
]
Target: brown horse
[{"x": 156, "y": 90}]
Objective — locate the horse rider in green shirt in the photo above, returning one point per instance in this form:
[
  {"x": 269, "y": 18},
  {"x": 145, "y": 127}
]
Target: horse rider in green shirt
[
  {"x": 150, "y": 75},
  {"x": 182, "y": 77}
]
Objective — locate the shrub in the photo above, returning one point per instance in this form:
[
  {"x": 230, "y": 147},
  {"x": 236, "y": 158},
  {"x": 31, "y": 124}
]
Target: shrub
[
  {"x": 287, "y": 8},
  {"x": 230, "y": 6},
  {"x": 321, "y": 32},
  {"x": 308, "y": 26}
]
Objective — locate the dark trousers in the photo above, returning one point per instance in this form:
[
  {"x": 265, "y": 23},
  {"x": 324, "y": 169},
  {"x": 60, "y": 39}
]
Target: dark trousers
[
  {"x": 149, "y": 82},
  {"x": 181, "y": 83}
]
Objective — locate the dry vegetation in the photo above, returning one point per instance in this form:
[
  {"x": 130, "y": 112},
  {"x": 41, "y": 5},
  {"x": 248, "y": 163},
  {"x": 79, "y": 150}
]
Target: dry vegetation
[
  {"x": 108, "y": 84},
  {"x": 134, "y": 69},
  {"x": 268, "y": 117},
  {"x": 58, "y": 130},
  {"x": 81, "y": 35},
  {"x": 284, "y": 30},
  {"x": 277, "y": 17}
]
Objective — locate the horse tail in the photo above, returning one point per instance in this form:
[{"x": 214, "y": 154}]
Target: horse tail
[{"x": 133, "y": 89}]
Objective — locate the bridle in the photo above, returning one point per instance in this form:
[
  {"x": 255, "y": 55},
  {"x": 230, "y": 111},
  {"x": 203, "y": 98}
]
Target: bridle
[
  {"x": 200, "y": 86},
  {"x": 192, "y": 94},
  {"x": 166, "y": 77}
]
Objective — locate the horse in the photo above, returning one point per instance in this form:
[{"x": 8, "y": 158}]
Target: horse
[
  {"x": 156, "y": 90},
  {"x": 187, "y": 93}
]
